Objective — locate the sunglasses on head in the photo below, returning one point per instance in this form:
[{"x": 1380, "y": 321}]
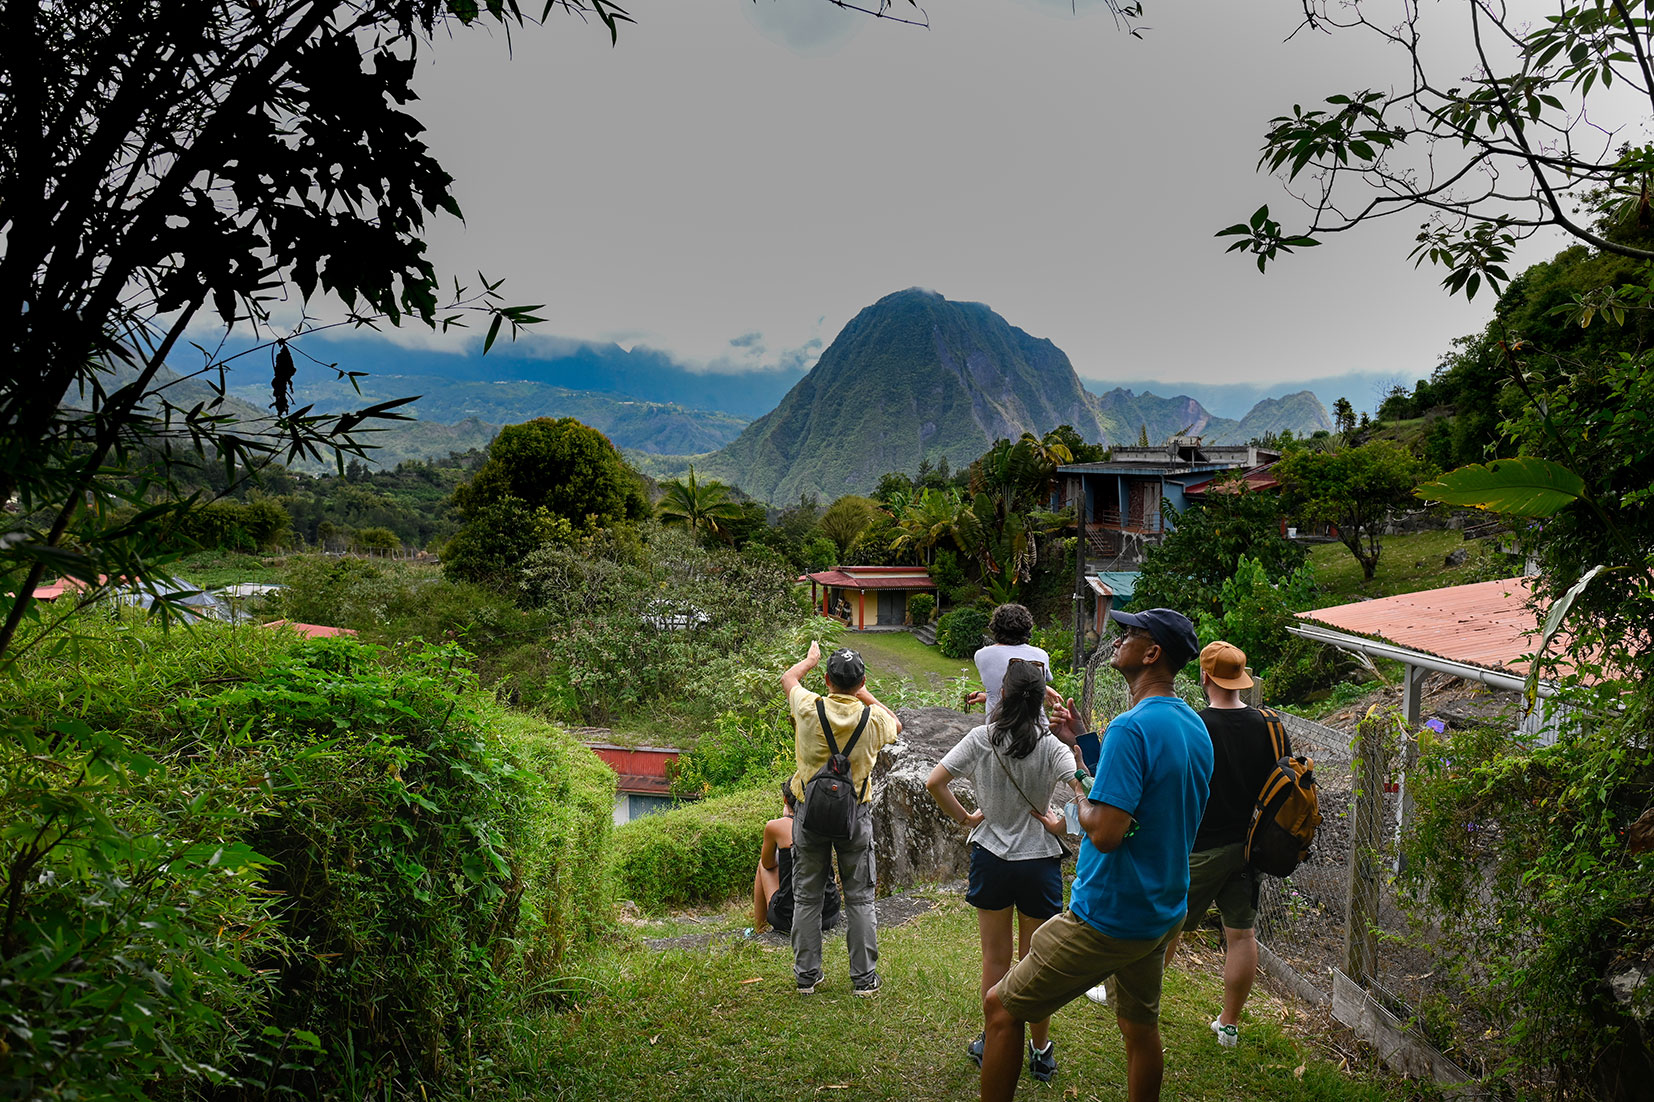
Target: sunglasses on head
[{"x": 1026, "y": 661}]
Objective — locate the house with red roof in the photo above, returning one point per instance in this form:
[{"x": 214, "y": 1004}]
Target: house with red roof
[{"x": 868, "y": 598}]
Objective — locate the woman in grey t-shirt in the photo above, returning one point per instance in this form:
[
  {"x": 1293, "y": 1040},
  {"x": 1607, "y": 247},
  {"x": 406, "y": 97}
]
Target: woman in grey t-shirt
[{"x": 1016, "y": 860}]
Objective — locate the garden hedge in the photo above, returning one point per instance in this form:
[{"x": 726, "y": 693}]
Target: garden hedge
[{"x": 703, "y": 852}]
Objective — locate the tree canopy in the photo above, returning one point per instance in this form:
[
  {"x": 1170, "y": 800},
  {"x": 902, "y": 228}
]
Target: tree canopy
[
  {"x": 1355, "y": 489},
  {"x": 161, "y": 160},
  {"x": 1186, "y": 570},
  {"x": 545, "y": 481},
  {"x": 703, "y": 507},
  {"x": 1489, "y": 158}
]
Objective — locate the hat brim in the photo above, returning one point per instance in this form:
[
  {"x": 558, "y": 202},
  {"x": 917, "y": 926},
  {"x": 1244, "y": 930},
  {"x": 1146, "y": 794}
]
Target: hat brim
[
  {"x": 1241, "y": 682},
  {"x": 1132, "y": 620}
]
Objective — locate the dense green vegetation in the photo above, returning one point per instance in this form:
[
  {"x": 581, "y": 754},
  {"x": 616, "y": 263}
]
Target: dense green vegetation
[{"x": 233, "y": 861}]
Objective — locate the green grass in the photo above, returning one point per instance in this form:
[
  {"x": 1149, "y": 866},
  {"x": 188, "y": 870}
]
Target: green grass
[
  {"x": 212, "y": 569},
  {"x": 894, "y": 655},
  {"x": 1407, "y": 564},
  {"x": 722, "y": 1022}
]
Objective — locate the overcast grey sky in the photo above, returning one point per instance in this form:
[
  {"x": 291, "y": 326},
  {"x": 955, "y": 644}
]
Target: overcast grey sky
[{"x": 735, "y": 180}]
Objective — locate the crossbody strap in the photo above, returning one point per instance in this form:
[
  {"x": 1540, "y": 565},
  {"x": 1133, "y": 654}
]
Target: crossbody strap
[
  {"x": 1007, "y": 771},
  {"x": 1062, "y": 845}
]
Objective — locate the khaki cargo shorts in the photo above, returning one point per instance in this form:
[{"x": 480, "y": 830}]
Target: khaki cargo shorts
[
  {"x": 1068, "y": 957},
  {"x": 1220, "y": 875}
]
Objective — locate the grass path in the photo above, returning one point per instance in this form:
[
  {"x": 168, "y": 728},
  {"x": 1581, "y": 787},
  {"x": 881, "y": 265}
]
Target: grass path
[
  {"x": 722, "y": 1022},
  {"x": 895, "y": 655}
]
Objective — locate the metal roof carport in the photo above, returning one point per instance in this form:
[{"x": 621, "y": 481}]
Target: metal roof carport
[{"x": 1481, "y": 632}]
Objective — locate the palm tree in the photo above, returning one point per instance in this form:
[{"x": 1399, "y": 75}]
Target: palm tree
[
  {"x": 700, "y": 505},
  {"x": 936, "y": 516}
]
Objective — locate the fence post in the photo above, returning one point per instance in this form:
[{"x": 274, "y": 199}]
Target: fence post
[
  {"x": 1252, "y": 695},
  {"x": 1366, "y": 823}
]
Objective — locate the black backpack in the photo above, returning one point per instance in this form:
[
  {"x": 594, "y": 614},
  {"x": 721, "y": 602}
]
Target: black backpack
[
  {"x": 1287, "y": 811},
  {"x": 829, "y": 796}
]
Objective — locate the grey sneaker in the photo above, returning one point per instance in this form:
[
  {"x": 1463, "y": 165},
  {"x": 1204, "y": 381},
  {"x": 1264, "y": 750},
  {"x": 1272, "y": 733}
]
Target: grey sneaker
[
  {"x": 974, "y": 1049},
  {"x": 868, "y": 985},
  {"x": 1228, "y": 1035},
  {"x": 807, "y": 987},
  {"x": 1042, "y": 1065}
]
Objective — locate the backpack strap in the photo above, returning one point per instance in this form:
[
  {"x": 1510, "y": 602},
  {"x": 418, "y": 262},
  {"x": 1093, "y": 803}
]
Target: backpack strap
[
  {"x": 827, "y": 728},
  {"x": 832, "y": 744},
  {"x": 1277, "y": 733}
]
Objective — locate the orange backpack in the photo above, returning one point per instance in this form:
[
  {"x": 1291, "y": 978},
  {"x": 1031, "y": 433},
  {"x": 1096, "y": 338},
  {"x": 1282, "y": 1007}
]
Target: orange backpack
[{"x": 1288, "y": 808}]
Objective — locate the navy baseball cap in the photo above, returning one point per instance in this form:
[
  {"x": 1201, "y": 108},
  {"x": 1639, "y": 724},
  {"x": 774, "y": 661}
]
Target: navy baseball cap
[{"x": 1170, "y": 628}]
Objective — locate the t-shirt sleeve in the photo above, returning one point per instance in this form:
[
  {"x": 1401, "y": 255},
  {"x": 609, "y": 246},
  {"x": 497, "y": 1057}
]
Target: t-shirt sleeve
[
  {"x": 801, "y": 702},
  {"x": 1061, "y": 759},
  {"x": 1122, "y": 769},
  {"x": 961, "y": 761},
  {"x": 885, "y": 726}
]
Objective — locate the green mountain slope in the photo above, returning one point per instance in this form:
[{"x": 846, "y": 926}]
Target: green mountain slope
[
  {"x": 1161, "y": 416},
  {"x": 1302, "y": 412},
  {"x": 654, "y": 427},
  {"x": 910, "y": 378}
]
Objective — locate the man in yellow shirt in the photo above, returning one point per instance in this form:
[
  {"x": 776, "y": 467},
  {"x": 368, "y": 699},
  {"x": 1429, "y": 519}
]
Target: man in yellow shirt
[{"x": 847, "y": 706}]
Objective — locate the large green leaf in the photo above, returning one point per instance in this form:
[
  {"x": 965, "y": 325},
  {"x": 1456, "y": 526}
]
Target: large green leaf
[
  {"x": 1524, "y": 487},
  {"x": 1553, "y": 624}
]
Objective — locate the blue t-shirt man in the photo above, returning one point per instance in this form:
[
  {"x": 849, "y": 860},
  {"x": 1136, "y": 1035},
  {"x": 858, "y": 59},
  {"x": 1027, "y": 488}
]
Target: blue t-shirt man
[{"x": 1156, "y": 766}]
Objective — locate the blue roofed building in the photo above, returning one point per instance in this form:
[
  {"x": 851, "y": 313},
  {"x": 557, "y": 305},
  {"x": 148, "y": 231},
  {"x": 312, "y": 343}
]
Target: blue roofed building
[{"x": 1127, "y": 503}]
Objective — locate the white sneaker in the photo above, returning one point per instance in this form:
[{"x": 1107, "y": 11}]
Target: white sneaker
[
  {"x": 1098, "y": 994},
  {"x": 1228, "y": 1035}
]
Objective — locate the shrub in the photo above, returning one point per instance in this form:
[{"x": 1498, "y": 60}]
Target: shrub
[
  {"x": 920, "y": 607},
  {"x": 381, "y": 541},
  {"x": 739, "y": 752},
  {"x": 277, "y": 860},
  {"x": 959, "y": 633},
  {"x": 704, "y": 852}
]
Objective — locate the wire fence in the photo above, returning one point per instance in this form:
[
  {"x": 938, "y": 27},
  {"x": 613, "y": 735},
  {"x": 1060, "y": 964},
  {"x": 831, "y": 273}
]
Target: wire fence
[{"x": 1336, "y": 932}]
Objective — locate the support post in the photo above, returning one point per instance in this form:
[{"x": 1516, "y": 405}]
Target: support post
[
  {"x": 1253, "y": 696},
  {"x": 1362, "y": 883},
  {"x": 1412, "y": 694}
]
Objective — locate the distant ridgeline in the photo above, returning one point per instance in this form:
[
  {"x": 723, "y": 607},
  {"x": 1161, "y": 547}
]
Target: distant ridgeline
[
  {"x": 913, "y": 377},
  {"x": 917, "y": 377}
]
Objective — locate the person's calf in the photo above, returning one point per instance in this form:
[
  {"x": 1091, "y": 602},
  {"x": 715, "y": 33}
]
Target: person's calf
[
  {"x": 1240, "y": 970},
  {"x": 1001, "y": 1050},
  {"x": 1145, "y": 1063}
]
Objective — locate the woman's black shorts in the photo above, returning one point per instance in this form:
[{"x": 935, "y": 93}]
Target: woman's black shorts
[{"x": 1032, "y": 886}]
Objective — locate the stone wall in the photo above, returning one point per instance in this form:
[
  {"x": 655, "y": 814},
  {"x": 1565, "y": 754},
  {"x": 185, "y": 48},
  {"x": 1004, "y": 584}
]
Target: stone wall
[{"x": 914, "y": 840}]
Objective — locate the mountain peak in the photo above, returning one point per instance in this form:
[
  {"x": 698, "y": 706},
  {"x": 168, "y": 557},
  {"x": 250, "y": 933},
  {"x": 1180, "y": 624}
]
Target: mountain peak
[{"x": 913, "y": 377}]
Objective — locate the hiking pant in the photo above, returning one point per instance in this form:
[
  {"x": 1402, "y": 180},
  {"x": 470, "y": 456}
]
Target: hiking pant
[{"x": 812, "y": 864}]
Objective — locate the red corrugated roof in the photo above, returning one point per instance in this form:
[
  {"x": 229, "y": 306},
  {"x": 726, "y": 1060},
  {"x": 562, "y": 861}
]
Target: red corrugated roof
[
  {"x": 312, "y": 631},
  {"x": 1487, "y": 624},
  {"x": 640, "y": 784},
  {"x": 848, "y": 581},
  {"x": 1256, "y": 479}
]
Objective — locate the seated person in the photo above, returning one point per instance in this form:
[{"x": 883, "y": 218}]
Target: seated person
[{"x": 772, "y": 884}]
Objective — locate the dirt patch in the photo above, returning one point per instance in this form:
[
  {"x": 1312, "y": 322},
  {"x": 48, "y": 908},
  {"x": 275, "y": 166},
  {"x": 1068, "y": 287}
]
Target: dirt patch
[{"x": 892, "y": 910}]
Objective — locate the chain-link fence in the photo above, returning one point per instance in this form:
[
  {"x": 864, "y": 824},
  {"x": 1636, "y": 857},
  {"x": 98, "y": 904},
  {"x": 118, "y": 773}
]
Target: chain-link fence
[{"x": 1301, "y": 918}]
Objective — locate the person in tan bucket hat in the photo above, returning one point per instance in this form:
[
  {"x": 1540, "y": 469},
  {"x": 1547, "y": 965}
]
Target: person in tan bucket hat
[{"x": 1242, "y": 755}]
